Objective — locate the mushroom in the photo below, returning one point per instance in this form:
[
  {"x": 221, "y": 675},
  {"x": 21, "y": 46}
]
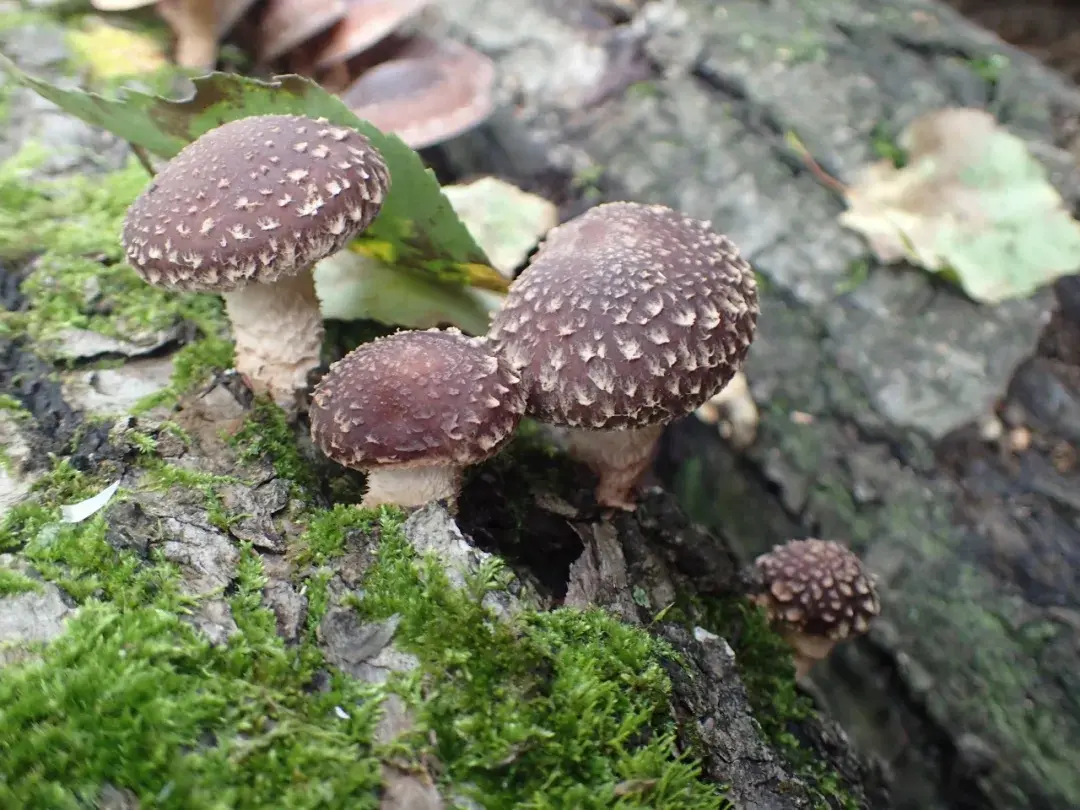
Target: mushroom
[
  {"x": 628, "y": 316},
  {"x": 366, "y": 22},
  {"x": 427, "y": 92},
  {"x": 412, "y": 410},
  {"x": 817, "y": 593},
  {"x": 247, "y": 210},
  {"x": 286, "y": 24}
]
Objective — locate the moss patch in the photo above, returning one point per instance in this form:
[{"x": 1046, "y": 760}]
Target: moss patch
[
  {"x": 557, "y": 709},
  {"x": 135, "y": 699},
  {"x": 66, "y": 232},
  {"x": 566, "y": 708},
  {"x": 15, "y": 582}
]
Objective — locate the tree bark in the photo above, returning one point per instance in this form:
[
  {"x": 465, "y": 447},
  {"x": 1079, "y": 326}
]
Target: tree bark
[{"x": 870, "y": 393}]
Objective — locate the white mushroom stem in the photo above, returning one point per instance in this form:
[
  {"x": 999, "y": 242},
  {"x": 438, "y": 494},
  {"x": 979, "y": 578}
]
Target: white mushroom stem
[
  {"x": 278, "y": 329},
  {"x": 412, "y": 486},
  {"x": 618, "y": 457},
  {"x": 807, "y": 651}
]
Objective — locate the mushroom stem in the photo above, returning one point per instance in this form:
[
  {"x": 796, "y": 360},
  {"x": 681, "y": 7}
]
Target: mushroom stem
[
  {"x": 807, "y": 651},
  {"x": 412, "y": 486},
  {"x": 618, "y": 457},
  {"x": 278, "y": 329}
]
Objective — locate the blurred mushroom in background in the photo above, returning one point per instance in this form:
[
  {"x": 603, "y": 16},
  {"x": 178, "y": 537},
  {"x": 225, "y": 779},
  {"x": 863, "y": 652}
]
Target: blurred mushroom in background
[
  {"x": 424, "y": 89},
  {"x": 816, "y": 593}
]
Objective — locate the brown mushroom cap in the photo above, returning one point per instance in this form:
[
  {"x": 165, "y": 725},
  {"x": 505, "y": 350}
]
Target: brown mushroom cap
[
  {"x": 629, "y": 315},
  {"x": 818, "y": 588},
  {"x": 286, "y": 24},
  {"x": 254, "y": 200},
  {"x": 430, "y": 91},
  {"x": 416, "y": 399},
  {"x": 366, "y": 22}
]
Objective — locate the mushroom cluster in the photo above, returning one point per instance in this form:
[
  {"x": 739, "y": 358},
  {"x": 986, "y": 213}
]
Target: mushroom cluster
[
  {"x": 247, "y": 210},
  {"x": 816, "y": 593},
  {"x": 628, "y": 317}
]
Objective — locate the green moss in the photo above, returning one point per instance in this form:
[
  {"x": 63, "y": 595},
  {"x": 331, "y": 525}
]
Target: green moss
[
  {"x": 62, "y": 484},
  {"x": 10, "y": 405},
  {"x": 79, "y": 279},
  {"x": 138, "y": 700},
  {"x": 15, "y": 582},
  {"x": 328, "y": 531},
  {"x": 553, "y": 709},
  {"x": 193, "y": 365},
  {"x": 766, "y": 669},
  {"x": 266, "y": 434}
]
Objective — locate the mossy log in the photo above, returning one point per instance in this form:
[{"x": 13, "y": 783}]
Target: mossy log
[
  {"x": 865, "y": 375},
  {"x": 225, "y": 628}
]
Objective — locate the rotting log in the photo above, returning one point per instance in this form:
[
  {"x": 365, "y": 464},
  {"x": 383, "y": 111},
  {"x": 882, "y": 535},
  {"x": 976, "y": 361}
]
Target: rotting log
[
  {"x": 190, "y": 635},
  {"x": 967, "y": 686}
]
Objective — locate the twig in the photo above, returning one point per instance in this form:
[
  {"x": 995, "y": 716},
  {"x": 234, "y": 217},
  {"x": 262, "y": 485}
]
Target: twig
[
  {"x": 822, "y": 176},
  {"x": 143, "y": 158}
]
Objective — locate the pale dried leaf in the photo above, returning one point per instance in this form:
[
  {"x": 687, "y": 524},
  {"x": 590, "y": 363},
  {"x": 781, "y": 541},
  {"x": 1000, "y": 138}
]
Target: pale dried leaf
[
  {"x": 351, "y": 286},
  {"x": 734, "y": 411},
  {"x": 506, "y": 221},
  {"x": 78, "y": 512},
  {"x": 971, "y": 203}
]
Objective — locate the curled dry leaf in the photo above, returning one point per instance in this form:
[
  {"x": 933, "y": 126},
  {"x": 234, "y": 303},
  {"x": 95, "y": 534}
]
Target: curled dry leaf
[{"x": 971, "y": 203}]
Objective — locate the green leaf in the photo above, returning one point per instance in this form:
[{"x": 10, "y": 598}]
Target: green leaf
[
  {"x": 416, "y": 228},
  {"x": 971, "y": 204},
  {"x": 352, "y": 286}
]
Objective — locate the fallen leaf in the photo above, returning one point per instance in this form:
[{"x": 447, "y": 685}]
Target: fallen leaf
[
  {"x": 352, "y": 286},
  {"x": 971, "y": 203},
  {"x": 109, "y": 51},
  {"x": 506, "y": 221}
]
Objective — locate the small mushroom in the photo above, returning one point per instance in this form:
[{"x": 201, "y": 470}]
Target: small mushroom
[
  {"x": 629, "y": 316},
  {"x": 412, "y": 410},
  {"x": 817, "y": 593},
  {"x": 247, "y": 210},
  {"x": 427, "y": 92},
  {"x": 286, "y": 24},
  {"x": 366, "y": 22}
]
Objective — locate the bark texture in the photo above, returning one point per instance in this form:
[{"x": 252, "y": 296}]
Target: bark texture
[{"x": 967, "y": 687}]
